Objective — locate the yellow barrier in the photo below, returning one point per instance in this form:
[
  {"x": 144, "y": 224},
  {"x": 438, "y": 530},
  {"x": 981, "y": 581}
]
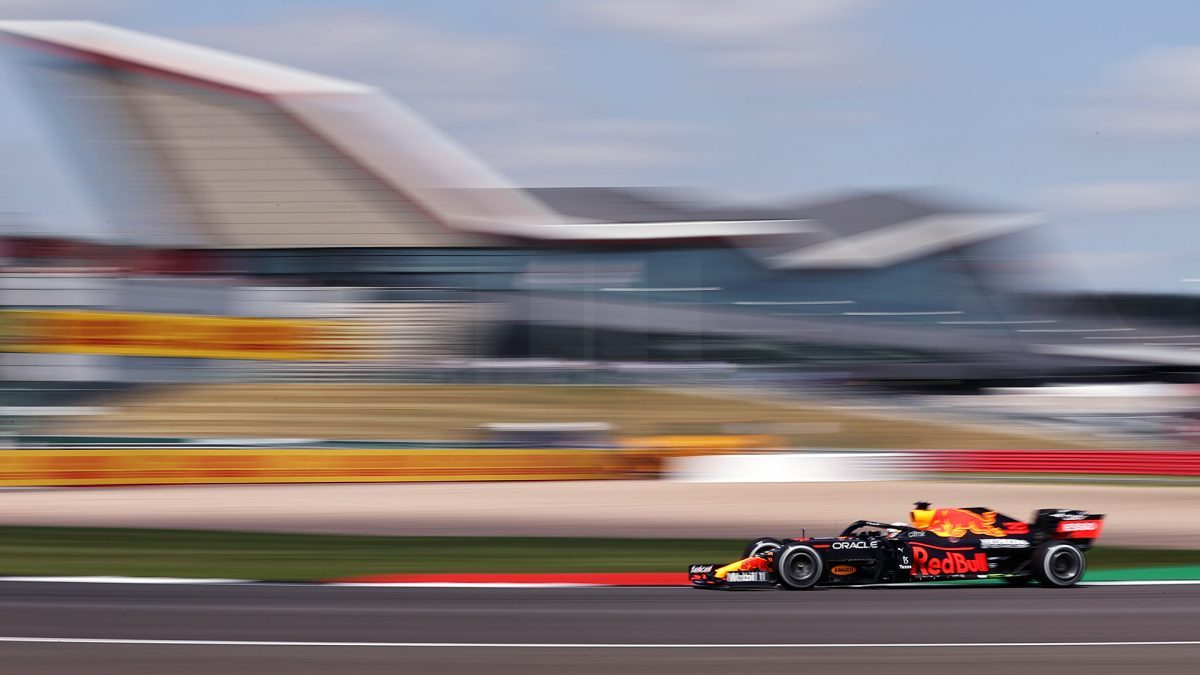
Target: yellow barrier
[
  {"x": 230, "y": 465},
  {"x": 137, "y": 334},
  {"x": 682, "y": 446}
]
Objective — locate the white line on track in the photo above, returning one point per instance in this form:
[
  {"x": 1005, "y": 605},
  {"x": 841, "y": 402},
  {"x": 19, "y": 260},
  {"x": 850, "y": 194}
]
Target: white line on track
[{"x": 598, "y": 645}]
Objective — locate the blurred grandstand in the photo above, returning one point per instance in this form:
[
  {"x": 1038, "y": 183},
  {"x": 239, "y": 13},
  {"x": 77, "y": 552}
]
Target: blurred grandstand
[{"x": 277, "y": 227}]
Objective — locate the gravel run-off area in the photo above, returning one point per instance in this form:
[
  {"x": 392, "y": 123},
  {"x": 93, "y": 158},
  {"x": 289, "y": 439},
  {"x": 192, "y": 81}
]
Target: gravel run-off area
[{"x": 1147, "y": 516}]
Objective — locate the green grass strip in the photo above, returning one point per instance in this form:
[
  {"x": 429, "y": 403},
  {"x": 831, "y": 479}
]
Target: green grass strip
[
  {"x": 1146, "y": 573},
  {"x": 247, "y": 555}
]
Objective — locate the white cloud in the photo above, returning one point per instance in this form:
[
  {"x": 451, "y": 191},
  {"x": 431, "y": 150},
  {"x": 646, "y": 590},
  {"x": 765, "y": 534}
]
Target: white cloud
[
  {"x": 1126, "y": 197},
  {"x": 1156, "y": 94},
  {"x": 800, "y": 37}
]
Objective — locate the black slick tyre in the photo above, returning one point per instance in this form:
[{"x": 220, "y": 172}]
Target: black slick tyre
[
  {"x": 759, "y": 545},
  {"x": 798, "y": 567},
  {"x": 1058, "y": 564}
]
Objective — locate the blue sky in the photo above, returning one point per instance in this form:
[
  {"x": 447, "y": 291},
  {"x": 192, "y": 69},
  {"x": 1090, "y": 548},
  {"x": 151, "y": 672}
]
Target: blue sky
[{"x": 1089, "y": 111}]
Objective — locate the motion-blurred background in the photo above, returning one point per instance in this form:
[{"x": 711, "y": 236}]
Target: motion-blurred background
[
  {"x": 579, "y": 292},
  {"x": 908, "y": 232}
]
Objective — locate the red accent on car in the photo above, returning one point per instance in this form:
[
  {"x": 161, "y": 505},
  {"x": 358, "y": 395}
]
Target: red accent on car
[{"x": 1079, "y": 529}]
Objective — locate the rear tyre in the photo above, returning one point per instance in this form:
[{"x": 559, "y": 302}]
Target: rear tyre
[
  {"x": 760, "y": 545},
  {"x": 1058, "y": 564},
  {"x": 798, "y": 567}
]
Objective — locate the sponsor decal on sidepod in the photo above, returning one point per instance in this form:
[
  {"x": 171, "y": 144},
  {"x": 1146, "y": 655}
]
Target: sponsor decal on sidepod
[
  {"x": 927, "y": 563},
  {"x": 843, "y": 570}
]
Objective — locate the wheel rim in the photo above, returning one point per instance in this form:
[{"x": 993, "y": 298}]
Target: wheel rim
[
  {"x": 799, "y": 567},
  {"x": 1063, "y": 564}
]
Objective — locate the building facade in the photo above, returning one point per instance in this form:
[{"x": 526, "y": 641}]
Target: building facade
[{"x": 224, "y": 177}]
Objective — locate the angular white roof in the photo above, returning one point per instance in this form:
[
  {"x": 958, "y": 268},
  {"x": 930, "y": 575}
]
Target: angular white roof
[
  {"x": 362, "y": 124},
  {"x": 201, "y": 63},
  {"x": 384, "y": 175},
  {"x": 905, "y": 240}
]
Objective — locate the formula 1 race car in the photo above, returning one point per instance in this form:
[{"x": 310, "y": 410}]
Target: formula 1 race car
[{"x": 936, "y": 545}]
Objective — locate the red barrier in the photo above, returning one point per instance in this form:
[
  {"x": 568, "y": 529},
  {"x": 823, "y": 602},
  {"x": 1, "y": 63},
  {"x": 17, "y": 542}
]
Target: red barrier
[{"x": 1139, "y": 462}]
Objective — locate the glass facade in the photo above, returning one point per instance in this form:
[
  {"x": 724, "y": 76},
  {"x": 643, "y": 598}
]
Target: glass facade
[{"x": 737, "y": 308}]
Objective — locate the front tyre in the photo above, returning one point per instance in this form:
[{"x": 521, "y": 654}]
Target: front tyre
[
  {"x": 798, "y": 567},
  {"x": 1058, "y": 564},
  {"x": 761, "y": 545}
]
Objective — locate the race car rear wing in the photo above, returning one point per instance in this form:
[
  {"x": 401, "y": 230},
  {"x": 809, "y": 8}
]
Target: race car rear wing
[{"x": 1081, "y": 527}]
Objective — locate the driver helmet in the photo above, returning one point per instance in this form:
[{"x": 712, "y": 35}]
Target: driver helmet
[{"x": 895, "y": 531}]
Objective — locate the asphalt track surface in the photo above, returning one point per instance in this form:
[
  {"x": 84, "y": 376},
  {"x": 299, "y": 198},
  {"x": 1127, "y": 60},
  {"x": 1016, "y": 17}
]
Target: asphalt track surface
[{"x": 596, "y": 630}]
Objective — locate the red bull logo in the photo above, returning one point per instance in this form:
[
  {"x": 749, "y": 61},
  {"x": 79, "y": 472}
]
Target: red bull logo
[
  {"x": 954, "y": 523},
  {"x": 754, "y": 564},
  {"x": 751, "y": 564},
  {"x": 939, "y": 563}
]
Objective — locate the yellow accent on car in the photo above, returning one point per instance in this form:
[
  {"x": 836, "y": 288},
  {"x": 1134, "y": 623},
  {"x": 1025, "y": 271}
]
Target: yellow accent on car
[{"x": 731, "y": 567}]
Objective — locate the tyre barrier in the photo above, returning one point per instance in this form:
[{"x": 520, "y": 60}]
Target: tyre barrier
[{"x": 1099, "y": 462}]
